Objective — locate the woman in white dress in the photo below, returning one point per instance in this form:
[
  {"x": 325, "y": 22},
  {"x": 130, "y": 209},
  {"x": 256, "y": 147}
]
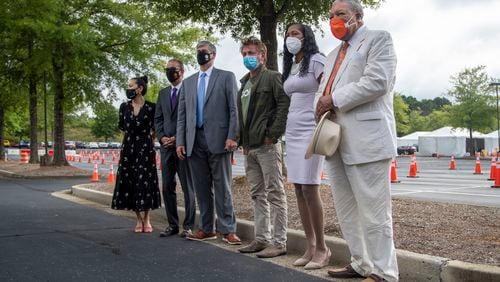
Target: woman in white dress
[{"x": 302, "y": 72}]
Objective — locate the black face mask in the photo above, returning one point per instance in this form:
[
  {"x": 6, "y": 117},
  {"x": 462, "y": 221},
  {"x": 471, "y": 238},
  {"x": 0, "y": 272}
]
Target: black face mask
[
  {"x": 203, "y": 57},
  {"x": 131, "y": 93},
  {"x": 172, "y": 74}
]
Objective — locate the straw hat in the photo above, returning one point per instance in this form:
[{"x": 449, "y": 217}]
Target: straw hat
[{"x": 326, "y": 138}]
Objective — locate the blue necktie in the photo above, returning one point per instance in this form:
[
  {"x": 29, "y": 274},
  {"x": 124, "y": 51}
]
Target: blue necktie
[
  {"x": 173, "y": 98},
  {"x": 200, "y": 101}
]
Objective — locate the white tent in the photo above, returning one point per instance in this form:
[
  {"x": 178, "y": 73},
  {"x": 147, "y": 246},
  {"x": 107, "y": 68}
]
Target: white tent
[
  {"x": 491, "y": 141},
  {"x": 446, "y": 141},
  {"x": 411, "y": 139}
]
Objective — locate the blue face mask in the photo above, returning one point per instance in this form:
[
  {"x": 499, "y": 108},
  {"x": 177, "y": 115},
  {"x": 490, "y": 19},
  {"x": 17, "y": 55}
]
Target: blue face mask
[{"x": 250, "y": 62}]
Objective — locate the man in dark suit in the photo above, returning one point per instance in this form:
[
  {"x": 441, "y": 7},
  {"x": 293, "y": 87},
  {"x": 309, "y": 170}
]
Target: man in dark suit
[
  {"x": 207, "y": 129},
  {"x": 166, "y": 129}
]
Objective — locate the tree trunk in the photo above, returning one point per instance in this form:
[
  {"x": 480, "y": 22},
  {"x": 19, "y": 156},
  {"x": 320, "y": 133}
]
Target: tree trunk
[
  {"x": 33, "y": 121},
  {"x": 2, "y": 154},
  {"x": 58, "y": 71},
  {"x": 472, "y": 144},
  {"x": 268, "y": 22}
]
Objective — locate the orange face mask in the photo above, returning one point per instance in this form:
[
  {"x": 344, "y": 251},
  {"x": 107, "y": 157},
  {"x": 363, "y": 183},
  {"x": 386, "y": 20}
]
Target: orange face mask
[{"x": 339, "y": 27}]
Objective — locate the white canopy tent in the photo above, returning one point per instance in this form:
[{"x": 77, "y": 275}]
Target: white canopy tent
[
  {"x": 491, "y": 141},
  {"x": 411, "y": 139},
  {"x": 446, "y": 141}
]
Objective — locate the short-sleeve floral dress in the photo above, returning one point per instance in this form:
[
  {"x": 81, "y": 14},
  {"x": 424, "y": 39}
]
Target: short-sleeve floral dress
[{"x": 136, "y": 185}]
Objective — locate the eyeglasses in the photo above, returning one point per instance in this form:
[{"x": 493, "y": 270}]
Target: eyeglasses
[{"x": 172, "y": 69}]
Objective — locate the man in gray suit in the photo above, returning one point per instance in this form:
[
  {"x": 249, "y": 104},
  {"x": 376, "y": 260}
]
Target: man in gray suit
[
  {"x": 207, "y": 129},
  {"x": 358, "y": 79},
  {"x": 166, "y": 129}
]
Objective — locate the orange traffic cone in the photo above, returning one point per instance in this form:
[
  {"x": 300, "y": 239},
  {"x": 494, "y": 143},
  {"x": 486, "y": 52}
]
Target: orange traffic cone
[
  {"x": 414, "y": 157},
  {"x": 478, "y": 166},
  {"x": 452, "y": 163},
  {"x": 323, "y": 175},
  {"x": 89, "y": 159},
  {"x": 394, "y": 174},
  {"x": 493, "y": 168},
  {"x": 80, "y": 159},
  {"x": 95, "y": 174},
  {"x": 103, "y": 162},
  {"x": 413, "y": 169},
  {"x": 497, "y": 179},
  {"x": 111, "y": 175},
  {"x": 114, "y": 157},
  {"x": 233, "y": 161}
]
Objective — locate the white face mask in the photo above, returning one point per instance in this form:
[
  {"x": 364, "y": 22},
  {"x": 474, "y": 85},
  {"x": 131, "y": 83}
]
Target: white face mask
[{"x": 293, "y": 44}]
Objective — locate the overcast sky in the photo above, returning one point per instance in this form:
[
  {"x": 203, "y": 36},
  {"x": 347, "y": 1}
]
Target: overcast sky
[{"x": 434, "y": 39}]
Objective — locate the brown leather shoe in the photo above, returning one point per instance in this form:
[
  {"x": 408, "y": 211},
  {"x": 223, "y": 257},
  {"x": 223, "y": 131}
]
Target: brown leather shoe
[
  {"x": 346, "y": 272},
  {"x": 232, "y": 239},
  {"x": 253, "y": 247},
  {"x": 373, "y": 278},
  {"x": 272, "y": 251},
  {"x": 202, "y": 236}
]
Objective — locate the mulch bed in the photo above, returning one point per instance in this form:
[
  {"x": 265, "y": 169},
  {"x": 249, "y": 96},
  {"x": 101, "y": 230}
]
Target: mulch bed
[{"x": 455, "y": 231}]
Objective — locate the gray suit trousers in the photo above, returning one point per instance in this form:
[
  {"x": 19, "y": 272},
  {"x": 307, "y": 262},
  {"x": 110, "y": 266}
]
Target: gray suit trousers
[
  {"x": 172, "y": 166},
  {"x": 211, "y": 174}
]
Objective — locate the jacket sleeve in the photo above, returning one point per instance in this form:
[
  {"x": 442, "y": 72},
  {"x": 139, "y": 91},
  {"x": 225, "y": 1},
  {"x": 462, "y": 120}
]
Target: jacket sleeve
[
  {"x": 278, "y": 124},
  {"x": 377, "y": 79},
  {"x": 180, "y": 137},
  {"x": 232, "y": 91},
  {"x": 159, "y": 118}
]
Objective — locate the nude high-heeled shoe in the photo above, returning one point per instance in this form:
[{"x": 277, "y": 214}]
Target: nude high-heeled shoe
[{"x": 318, "y": 265}]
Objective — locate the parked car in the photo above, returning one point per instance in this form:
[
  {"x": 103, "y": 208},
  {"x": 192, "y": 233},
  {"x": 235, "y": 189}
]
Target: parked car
[
  {"x": 406, "y": 150},
  {"x": 80, "y": 145},
  {"x": 93, "y": 145},
  {"x": 6, "y": 143},
  {"x": 103, "y": 145},
  {"x": 114, "y": 145},
  {"x": 69, "y": 145},
  {"x": 24, "y": 144},
  {"x": 43, "y": 144}
]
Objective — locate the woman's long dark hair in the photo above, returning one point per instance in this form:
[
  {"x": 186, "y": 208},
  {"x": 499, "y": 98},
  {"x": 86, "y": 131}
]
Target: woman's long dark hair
[{"x": 309, "y": 48}]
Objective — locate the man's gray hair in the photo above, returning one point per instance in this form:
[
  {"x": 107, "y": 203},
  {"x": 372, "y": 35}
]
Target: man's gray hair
[
  {"x": 355, "y": 5},
  {"x": 211, "y": 47}
]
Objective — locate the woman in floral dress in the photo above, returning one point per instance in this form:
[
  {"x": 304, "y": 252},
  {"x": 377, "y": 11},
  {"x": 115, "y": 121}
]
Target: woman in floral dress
[{"x": 136, "y": 185}]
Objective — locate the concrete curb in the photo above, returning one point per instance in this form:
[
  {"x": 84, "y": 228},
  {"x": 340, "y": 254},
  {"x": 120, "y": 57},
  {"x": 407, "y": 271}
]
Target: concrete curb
[
  {"x": 412, "y": 266},
  {"x": 11, "y": 174}
]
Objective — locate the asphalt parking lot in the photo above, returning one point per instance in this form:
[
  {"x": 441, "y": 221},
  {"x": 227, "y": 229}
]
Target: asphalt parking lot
[{"x": 435, "y": 181}]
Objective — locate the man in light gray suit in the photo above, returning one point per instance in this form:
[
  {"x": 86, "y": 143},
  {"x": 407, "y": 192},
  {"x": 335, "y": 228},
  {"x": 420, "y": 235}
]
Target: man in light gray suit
[
  {"x": 358, "y": 79},
  {"x": 207, "y": 128},
  {"x": 166, "y": 130}
]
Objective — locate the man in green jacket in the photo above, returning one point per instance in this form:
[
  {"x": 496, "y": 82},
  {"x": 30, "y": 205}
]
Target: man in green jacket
[{"x": 262, "y": 110}]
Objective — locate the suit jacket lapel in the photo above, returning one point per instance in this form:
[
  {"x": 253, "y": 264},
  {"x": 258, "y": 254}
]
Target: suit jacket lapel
[
  {"x": 172, "y": 111},
  {"x": 168, "y": 91},
  {"x": 192, "y": 87},
  {"x": 351, "y": 50},
  {"x": 211, "y": 83}
]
